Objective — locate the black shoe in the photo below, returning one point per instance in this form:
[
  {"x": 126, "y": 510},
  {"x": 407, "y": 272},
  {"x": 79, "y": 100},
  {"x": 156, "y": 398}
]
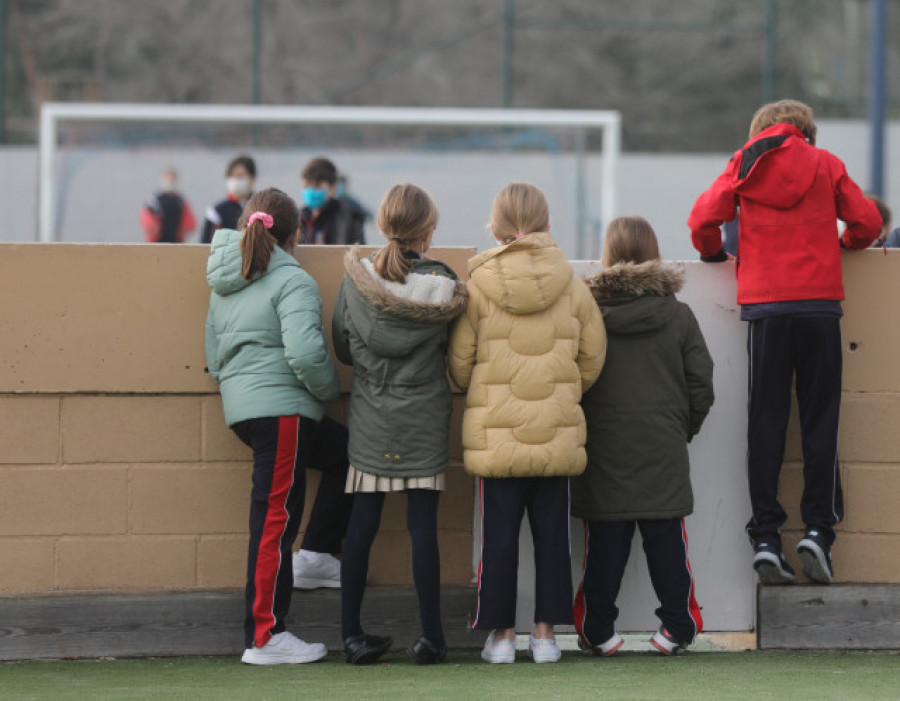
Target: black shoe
[
  {"x": 366, "y": 649},
  {"x": 423, "y": 651},
  {"x": 815, "y": 554},
  {"x": 770, "y": 565}
]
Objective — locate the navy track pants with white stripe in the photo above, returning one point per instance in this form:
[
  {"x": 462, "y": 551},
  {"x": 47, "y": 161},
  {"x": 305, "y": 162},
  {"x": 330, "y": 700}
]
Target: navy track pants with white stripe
[
  {"x": 778, "y": 347},
  {"x": 503, "y": 504},
  {"x": 607, "y": 545},
  {"x": 283, "y": 448}
]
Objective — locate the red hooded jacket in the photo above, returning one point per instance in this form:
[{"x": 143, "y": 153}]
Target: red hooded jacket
[{"x": 791, "y": 195}]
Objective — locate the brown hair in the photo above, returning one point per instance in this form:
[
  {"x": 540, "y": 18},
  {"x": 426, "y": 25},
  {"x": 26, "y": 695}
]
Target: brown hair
[
  {"x": 785, "y": 112},
  {"x": 407, "y": 214},
  {"x": 519, "y": 209},
  {"x": 320, "y": 170},
  {"x": 629, "y": 240},
  {"x": 258, "y": 242},
  {"x": 883, "y": 209}
]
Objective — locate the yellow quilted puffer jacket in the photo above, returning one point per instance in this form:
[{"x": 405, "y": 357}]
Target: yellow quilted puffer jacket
[{"x": 530, "y": 343}]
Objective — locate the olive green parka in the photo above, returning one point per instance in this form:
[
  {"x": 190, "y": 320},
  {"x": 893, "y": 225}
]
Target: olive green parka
[
  {"x": 395, "y": 336},
  {"x": 651, "y": 399}
]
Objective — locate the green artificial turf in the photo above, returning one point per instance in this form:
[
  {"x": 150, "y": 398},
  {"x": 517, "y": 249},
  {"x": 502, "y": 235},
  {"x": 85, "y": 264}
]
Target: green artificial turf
[{"x": 697, "y": 676}]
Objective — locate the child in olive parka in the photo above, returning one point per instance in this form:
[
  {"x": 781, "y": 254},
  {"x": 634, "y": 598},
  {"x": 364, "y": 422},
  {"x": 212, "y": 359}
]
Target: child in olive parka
[
  {"x": 391, "y": 323},
  {"x": 650, "y": 401}
]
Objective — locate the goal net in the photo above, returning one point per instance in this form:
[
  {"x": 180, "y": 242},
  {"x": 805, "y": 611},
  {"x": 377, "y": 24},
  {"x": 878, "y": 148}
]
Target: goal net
[{"x": 99, "y": 163}]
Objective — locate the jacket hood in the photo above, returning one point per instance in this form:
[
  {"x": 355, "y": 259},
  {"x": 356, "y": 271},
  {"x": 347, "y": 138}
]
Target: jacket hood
[
  {"x": 776, "y": 167},
  {"x": 223, "y": 269},
  {"x": 393, "y": 318},
  {"x": 522, "y": 277},
  {"x": 636, "y": 298}
]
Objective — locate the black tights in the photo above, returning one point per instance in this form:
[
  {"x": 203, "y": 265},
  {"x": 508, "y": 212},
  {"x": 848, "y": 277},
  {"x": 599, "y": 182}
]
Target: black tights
[{"x": 421, "y": 520}]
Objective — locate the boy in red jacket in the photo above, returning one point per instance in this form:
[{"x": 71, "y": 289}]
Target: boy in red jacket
[{"x": 789, "y": 286}]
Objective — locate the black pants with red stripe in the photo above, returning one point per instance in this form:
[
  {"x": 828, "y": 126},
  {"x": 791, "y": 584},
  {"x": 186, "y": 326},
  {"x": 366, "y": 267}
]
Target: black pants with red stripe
[
  {"x": 503, "y": 504},
  {"x": 607, "y": 547},
  {"x": 283, "y": 448},
  {"x": 778, "y": 347}
]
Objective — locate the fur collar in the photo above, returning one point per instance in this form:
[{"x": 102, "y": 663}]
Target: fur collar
[
  {"x": 636, "y": 280},
  {"x": 374, "y": 292}
]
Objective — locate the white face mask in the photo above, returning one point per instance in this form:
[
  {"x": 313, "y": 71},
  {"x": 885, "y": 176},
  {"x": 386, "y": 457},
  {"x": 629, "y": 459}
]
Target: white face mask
[
  {"x": 168, "y": 185},
  {"x": 238, "y": 186}
]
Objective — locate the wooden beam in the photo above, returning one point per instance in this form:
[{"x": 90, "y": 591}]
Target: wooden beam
[
  {"x": 204, "y": 623},
  {"x": 836, "y": 617}
]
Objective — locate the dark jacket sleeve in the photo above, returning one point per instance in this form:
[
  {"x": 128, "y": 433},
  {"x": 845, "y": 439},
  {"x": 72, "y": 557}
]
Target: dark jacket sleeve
[
  {"x": 712, "y": 209},
  {"x": 340, "y": 334},
  {"x": 698, "y": 373}
]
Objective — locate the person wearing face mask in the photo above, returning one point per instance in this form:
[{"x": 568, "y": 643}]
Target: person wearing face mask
[
  {"x": 167, "y": 217},
  {"x": 326, "y": 218},
  {"x": 239, "y": 178}
]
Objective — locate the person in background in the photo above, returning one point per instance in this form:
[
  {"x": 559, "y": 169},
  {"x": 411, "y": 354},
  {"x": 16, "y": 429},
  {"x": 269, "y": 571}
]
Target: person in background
[
  {"x": 326, "y": 219},
  {"x": 530, "y": 342},
  {"x": 240, "y": 175},
  {"x": 885, "y": 234},
  {"x": 167, "y": 218},
  {"x": 651, "y": 399},
  {"x": 790, "y": 286},
  {"x": 343, "y": 194},
  {"x": 391, "y": 323},
  {"x": 266, "y": 350}
]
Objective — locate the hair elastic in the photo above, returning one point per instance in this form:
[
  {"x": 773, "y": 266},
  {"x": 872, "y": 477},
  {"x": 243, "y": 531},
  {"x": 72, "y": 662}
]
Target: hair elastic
[{"x": 264, "y": 217}]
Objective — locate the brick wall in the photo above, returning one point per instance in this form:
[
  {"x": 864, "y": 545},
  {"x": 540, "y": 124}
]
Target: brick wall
[{"x": 117, "y": 471}]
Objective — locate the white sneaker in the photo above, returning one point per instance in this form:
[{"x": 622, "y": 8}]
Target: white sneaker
[
  {"x": 544, "y": 649},
  {"x": 315, "y": 570},
  {"x": 284, "y": 648},
  {"x": 501, "y": 651}
]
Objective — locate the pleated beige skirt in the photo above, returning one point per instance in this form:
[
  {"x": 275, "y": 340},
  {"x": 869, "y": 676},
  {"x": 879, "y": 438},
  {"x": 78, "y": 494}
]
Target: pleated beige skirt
[{"x": 358, "y": 481}]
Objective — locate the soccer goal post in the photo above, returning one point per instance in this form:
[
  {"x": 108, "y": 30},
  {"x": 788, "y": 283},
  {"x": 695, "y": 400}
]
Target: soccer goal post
[{"x": 608, "y": 122}]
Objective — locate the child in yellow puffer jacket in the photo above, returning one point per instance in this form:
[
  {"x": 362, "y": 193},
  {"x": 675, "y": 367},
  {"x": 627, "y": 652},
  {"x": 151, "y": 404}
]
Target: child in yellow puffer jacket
[{"x": 529, "y": 344}]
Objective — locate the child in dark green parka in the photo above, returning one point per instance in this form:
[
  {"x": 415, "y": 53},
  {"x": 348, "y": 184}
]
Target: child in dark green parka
[
  {"x": 650, "y": 401},
  {"x": 391, "y": 322}
]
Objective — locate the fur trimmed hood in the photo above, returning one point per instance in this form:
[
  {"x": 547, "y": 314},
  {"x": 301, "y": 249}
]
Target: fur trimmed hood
[
  {"x": 636, "y": 280},
  {"x": 637, "y": 298},
  {"x": 428, "y": 296}
]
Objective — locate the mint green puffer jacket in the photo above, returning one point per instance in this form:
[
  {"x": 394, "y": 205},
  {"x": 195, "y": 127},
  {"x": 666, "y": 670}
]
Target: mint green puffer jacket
[{"x": 265, "y": 344}]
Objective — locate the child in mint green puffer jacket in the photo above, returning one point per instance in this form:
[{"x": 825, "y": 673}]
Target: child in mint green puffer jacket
[{"x": 265, "y": 348}]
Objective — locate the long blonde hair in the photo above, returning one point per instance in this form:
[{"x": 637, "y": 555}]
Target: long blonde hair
[
  {"x": 519, "y": 209},
  {"x": 407, "y": 214},
  {"x": 629, "y": 240}
]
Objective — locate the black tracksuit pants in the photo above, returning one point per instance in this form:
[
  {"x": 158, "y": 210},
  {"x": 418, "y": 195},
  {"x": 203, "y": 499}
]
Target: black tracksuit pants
[
  {"x": 607, "y": 545},
  {"x": 503, "y": 504},
  {"x": 283, "y": 448},
  {"x": 779, "y": 347}
]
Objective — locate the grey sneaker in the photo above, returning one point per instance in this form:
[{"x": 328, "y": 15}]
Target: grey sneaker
[
  {"x": 770, "y": 565},
  {"x": 815, "y": 554}
]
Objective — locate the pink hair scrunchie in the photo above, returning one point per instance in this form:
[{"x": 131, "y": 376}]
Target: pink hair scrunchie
[{"x": 265, "y": 218}]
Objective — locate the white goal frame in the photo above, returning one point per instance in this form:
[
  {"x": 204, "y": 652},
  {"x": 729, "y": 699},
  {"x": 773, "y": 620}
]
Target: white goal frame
[{"x": 53, "y": 113}]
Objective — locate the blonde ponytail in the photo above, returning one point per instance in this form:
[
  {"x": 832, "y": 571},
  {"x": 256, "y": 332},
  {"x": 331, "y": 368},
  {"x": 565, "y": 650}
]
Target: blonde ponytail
[{"x": 519, "y": 209}]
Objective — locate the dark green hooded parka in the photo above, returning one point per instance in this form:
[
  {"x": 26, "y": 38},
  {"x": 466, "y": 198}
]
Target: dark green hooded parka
[
  {"x": 395, "y": 335},
  {"x": 651, "y": 399}
]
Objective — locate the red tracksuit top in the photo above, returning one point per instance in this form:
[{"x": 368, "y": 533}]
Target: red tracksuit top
[{"x": 791, "y": 195}]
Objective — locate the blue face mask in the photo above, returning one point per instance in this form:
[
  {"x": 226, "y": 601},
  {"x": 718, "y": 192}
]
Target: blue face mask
[{"x": 315, "y": 198}]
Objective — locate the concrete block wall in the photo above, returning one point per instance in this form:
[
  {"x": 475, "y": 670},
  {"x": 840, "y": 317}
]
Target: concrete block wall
[{"x": 117, "y": 470}]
